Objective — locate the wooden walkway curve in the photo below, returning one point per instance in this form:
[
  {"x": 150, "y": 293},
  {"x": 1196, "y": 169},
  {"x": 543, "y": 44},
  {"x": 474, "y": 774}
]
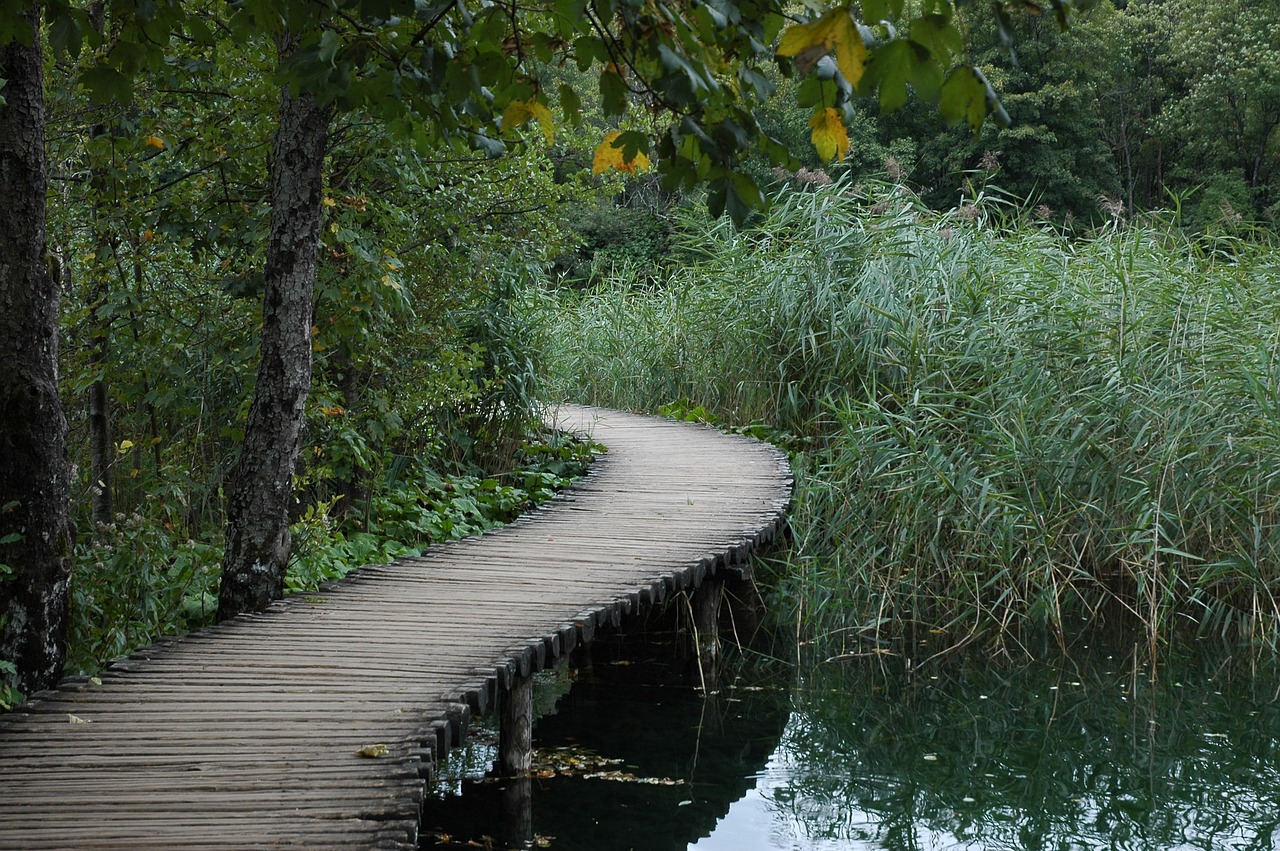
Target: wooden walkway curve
[{"x": 245, "y": 735}]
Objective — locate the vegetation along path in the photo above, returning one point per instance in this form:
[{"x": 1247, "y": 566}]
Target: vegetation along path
[{"x": 247, "y": 734}]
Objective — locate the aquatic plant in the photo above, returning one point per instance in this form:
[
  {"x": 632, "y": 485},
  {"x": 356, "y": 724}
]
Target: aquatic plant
[{"x": 997, "y": 426}]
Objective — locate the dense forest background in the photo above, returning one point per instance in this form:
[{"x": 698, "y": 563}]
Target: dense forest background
[{"x": 421, "y": 419}]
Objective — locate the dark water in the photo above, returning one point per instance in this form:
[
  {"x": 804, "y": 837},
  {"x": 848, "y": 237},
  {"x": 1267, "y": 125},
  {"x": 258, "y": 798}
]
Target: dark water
[{"x": 1085, "y": 752}]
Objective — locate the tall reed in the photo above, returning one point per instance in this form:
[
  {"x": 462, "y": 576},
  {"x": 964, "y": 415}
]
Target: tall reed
[{"x": 996, "y": 426}]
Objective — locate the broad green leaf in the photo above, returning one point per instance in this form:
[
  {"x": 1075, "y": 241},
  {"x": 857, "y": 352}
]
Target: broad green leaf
[
  {"x": 895, "y": 65},
  {"x": 613, "y": 92},
  {"x": 570, "y": 105},
  {"x": 967, "y": 96},
  {"x": 106, "y": 84},
  {"x": 874, "y": 11},
  {"x": 938, "y": 34},
  {"x": 829, "y": 135},
  {"x": 66, "y": 32}
]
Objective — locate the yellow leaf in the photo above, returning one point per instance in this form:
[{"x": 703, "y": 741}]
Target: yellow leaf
[
  {"x": 607, "y": 157},
  {"x": 147, "y": 236},
  {"x": 329, "y": 202},
  {"x": 519, "y": 111},
  {"x": 516, "y": 114},
  {"x": 834, "y": 33},
  {"x": 125, "y": 445},
  {"x": 373, "y": 751},
  {"x": 543, "y": 116},
  {"x": 155, "y": 142},
  {"x": 829, "y": 136}
]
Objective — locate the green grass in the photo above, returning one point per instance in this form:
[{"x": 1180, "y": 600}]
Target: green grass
[{"x": 996, "y": 427}]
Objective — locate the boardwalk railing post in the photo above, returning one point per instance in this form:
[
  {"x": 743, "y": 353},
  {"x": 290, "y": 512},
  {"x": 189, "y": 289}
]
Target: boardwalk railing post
[{"x": 706, "y": 630}]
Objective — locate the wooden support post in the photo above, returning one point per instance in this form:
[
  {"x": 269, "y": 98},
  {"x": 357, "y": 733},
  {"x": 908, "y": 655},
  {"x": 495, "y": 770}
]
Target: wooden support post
[
  {"x": 746, "y": 609},
  {"x": 515, "y": 737},
  {"x": 516, "y": 830},
  {"x": 515, "y": 758},
  {"x": 706, "y": 630}
]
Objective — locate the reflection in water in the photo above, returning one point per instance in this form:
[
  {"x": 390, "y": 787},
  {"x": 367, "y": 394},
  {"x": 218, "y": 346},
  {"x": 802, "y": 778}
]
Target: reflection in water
[
  {"x": 1086, "y": 752},
  {"x": 651, "y": 764}
]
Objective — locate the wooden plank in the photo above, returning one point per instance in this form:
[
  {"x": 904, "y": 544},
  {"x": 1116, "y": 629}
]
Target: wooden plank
[{"x": 245, "y": 735}]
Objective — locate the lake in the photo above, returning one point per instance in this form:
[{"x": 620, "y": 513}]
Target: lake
[{"x": 1092, "y": 749}]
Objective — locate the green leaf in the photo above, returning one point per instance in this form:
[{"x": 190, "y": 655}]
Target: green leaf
[
  {"x": 966, "y": 96},
  {"x": 106, "y": 84},
  {"x": 778, "y": 153},
  {"x": 613, "y": 92},
  {"x": 633, "y": 143},
  {"x": 570, "y": 105},
  {"x": 938, "y": 35},
  {"x": 896, "y": 64},
  {"x": 66, "y": 32},
  {"x": 874, "y": 11}
]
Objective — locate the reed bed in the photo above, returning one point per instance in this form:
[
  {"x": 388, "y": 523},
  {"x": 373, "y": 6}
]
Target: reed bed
[{"x": 996, "y": 427}]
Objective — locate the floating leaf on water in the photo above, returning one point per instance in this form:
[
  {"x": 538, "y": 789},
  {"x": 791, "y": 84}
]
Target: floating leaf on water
[{"x": 373, "y": 751}]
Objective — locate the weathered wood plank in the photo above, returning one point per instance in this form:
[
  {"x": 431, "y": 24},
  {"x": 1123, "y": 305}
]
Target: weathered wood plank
[{"x": 244, "y": 735}]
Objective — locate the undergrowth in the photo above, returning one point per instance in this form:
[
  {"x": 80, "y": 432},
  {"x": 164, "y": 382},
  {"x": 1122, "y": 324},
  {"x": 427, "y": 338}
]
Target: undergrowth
[
  {"x": 996, "y": 427},
  {"x": 135, "y": 581}
]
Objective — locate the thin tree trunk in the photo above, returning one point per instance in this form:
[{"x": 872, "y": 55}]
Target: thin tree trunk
[
  {"x": 257, "y": 549},
  {"x": 35, "y": 524},
  {"x": 101, "y": 446}
]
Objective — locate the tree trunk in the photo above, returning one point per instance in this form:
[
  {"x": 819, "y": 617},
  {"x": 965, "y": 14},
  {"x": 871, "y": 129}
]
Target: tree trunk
[
  {"x": 102, "y": 449},
  {"x": 35, "y": 524},
  {"x": 257, "y": 548}
]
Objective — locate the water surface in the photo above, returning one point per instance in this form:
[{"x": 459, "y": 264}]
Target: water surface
[{"x": 1087, "y": 751}]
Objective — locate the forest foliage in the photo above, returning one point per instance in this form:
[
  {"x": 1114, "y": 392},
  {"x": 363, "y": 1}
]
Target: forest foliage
[{"x": 470, "y": 151}]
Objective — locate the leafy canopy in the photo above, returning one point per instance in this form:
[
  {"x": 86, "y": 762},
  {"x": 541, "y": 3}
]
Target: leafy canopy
[{"x": 474, "y": 73}]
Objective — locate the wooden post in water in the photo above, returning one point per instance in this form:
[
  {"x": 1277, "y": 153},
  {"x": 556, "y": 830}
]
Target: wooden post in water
[
  {"x": 746, "y": 609},
  {"x": 515, "y": 759},
  {"x": 515, "y": 737},
  {"x": 706, "y": 630}
]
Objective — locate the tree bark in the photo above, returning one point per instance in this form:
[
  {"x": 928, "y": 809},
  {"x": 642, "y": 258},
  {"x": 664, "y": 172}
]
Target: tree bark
[
  {"x": 257, "y": 540},
  {"x": 101, "y": 447},
  {"x": 35, "y": 524}
]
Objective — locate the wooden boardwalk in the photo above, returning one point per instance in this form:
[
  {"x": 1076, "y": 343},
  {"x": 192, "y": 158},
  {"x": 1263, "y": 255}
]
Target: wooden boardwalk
[{"x": 245, "y": 735}]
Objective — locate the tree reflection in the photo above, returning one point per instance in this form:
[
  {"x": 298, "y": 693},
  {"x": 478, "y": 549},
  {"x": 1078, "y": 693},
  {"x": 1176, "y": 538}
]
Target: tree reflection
[{"x": 1090, "y": 751}]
